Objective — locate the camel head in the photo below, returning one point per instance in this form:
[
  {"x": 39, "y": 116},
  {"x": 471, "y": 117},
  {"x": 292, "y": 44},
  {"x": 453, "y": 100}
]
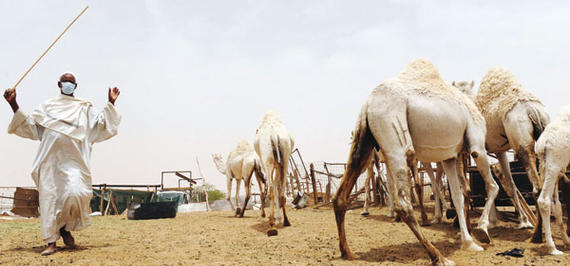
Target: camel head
[
  {"x": 464, "y": 86},
  {"x": 219, "y": 162}
]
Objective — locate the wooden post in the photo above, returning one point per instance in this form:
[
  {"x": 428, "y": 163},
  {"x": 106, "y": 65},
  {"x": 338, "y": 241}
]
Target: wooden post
[
  {"x": 328, "y": 187},
  {"x": 114, "y": 207},
  {"x": 314, "y": 181},
  {"x": 296, "y": 176},
  {"x": 102, "y": 200},
  {"x": 291, "y": 183},
  {"x": 109, "y": 203}
]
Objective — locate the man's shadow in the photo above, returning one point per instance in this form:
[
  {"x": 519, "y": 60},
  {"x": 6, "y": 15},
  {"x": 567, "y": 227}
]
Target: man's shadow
[{"x": 39, "y": 249}]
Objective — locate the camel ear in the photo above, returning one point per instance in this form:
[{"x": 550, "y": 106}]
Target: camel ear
[
  {"x": 453, "y": 83},
  {"x": 472, "y": 83}
]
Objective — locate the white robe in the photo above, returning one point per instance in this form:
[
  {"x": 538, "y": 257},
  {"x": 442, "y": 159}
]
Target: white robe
[{"x": 66, "y": 127}]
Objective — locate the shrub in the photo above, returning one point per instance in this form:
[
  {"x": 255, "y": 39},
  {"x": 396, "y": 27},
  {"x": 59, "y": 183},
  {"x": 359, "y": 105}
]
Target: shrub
[{"x": 215, "y": 194}]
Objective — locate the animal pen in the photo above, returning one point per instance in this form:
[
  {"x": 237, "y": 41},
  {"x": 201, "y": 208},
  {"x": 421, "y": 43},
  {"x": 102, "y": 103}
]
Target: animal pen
[
  {"x": 115, "y": 199},
  {"x": 321, "y": 179}
]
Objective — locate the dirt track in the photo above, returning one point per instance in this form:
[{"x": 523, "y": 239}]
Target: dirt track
[{"x": 216, "y": 238}]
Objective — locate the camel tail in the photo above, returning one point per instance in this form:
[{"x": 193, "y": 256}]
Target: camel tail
[
  {"x": 363, "y": 144},
  {"x": 539, "y": 119},
  {"x": 258, "y": 170},
  {"x": 277, "y": 154}
]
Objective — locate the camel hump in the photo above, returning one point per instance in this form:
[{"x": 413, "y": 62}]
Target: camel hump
[
  {"x": 500, "y": 91},
  {"x": 420, "y": 71},
  {"x": 243, "y": 146}
]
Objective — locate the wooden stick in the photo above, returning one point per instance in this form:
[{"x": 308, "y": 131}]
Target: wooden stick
[
  {"x": 50, "y": 46},
  {"x": 109, "y": 203},
  {"x": 102, "y": 201}
]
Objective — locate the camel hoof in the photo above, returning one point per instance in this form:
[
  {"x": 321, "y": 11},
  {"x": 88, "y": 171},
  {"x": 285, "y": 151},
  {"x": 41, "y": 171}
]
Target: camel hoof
[
  {"x": 525, "y": 225},
  {"x": 263, "y": 215},
  {"x": 445, "y": 262},
  {"x": 364, "y": 213},
  {"x": 348, "y": 256},
  {"x": 286, "y": 223},
  {"x": 482, "y": 235},
  {"x": 238, "y": 211},
  {"x": 272, "y": 232},
  {"x": 471, "y": 246},
  {"x": 555, "y": 252}
]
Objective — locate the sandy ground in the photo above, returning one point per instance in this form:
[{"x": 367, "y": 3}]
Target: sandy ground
[{"x": 216, "y": 238}]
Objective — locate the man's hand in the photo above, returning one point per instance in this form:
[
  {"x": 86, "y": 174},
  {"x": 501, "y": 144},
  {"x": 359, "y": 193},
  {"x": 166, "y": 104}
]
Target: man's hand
[
  {"x": 113, "y": 94},
  {"x": 10, "y": 96}
]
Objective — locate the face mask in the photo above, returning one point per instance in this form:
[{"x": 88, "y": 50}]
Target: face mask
[{"x": 67, "y": 88}]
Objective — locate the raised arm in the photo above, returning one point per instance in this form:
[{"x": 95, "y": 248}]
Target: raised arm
[
  {"x": 22, "y": 124},
  {"x": 10, "y": 96},
  {"x": 105, "y": 125}
]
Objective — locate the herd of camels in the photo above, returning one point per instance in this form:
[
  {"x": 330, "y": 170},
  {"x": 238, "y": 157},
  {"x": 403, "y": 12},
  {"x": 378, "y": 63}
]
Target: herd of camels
[{"x": 418, "y": 117}]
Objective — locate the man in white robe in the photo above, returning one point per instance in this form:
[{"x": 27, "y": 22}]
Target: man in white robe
[{"x": 66, "y": 127}]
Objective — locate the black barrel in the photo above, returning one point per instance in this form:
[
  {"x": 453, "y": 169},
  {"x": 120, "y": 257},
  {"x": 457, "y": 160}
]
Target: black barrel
[{"x": 153, "y": 210}]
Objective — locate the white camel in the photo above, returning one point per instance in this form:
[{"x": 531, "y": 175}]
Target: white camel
[
  {"x": 242, "y": 162},
  {"x": 274, "y": 145},
  {"x": 441, "y": 205},
  {"x": 553, "y": 151},
  {"x": 515, "y": 119},
  {"x": 417, "y": 115}
]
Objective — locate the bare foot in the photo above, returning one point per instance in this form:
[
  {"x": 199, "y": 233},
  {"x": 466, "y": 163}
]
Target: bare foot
[{"x": 51, "y": 248}]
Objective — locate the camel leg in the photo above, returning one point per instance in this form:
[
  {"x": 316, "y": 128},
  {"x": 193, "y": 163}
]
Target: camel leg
[
  {"x": 229, "y": 196},
  {"x": 465, "y": 189},
  {"x": 527, "y": 156},
  {"x": 277, "y": 198},
  {"x": 544, "y": 205},
  {"x": 565, "y": 187},
  {"x": 403, "y": 207},
  {"x": 557, "y": 211},
  {"x": 528, "y": 159},
  {"x": 272, "y": 195},
  {"x": 450, "y": 167},
  {"x": 439, "y": 180},
  {"x": 238, "y": 184},
  {"x": 247, "y": 183},
  {"x": 398, "y": 154},
  {"x": 480, "y": 156},
  {"x": 438, "y": 216},
  {"x": 282, "y": 185},
  {"x": 370, "y": 173},
  {"x": 413, "y": 164},
  {"x": 262, "y": 193},
  {"x": 510, "y": 188},
  {"x": 359, "y": 158}
]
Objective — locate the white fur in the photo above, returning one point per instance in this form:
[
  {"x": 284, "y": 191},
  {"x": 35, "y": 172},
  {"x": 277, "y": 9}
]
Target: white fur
[
  {"x": 240, "y": 165},
  {"x": 274, "y": 144},
  {"x": 553, "y": 151}
]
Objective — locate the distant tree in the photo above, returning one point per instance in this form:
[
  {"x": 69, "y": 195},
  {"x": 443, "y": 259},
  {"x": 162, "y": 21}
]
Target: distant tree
[{"x": 213, "y": 193}]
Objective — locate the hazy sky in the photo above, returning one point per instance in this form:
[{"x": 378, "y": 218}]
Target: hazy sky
[{"x": 197, "y": 76}]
